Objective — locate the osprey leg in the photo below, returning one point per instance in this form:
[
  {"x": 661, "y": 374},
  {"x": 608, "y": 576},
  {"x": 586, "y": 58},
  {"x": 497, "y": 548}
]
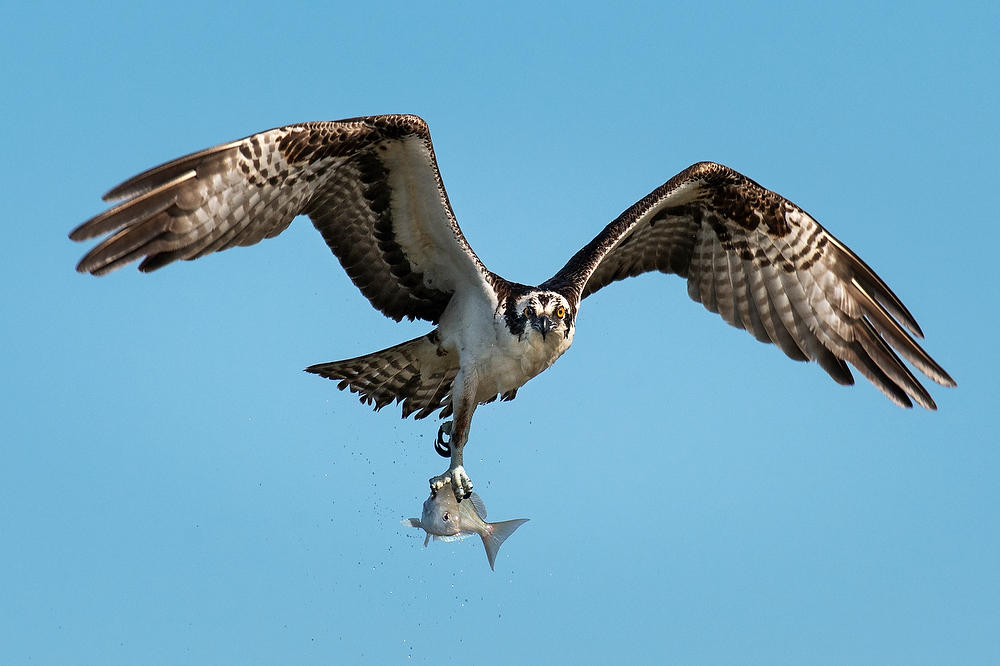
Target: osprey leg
[{"x": 464, "y": 403}]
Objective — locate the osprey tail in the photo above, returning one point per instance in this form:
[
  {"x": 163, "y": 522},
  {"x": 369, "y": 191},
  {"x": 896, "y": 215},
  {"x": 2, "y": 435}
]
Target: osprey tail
[{"x": 417, "y": 373}]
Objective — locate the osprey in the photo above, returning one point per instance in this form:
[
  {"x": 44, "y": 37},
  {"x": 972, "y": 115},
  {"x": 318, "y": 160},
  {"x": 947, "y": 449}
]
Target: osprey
[{"x": 372, "y": 188}]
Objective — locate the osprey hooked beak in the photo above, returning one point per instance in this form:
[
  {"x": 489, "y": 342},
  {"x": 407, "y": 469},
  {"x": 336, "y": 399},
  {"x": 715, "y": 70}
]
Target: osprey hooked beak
[{"x": 543, "y": 324}]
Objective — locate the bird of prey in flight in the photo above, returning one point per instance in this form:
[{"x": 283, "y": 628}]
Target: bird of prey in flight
[{"x": 372, "y": 188}]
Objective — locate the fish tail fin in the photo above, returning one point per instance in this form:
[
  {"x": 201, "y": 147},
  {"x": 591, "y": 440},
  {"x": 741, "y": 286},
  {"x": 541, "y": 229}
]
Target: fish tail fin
[{"x": 497, "y": 535}]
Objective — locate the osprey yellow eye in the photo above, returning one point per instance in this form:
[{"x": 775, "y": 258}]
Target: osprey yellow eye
[
  {"x": 527, "y": 313},
  {"x": 560, "y": 312}
]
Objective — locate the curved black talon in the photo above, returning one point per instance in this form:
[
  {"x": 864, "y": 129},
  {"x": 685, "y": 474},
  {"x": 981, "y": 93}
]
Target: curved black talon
[{"x": 442, "y": 445}]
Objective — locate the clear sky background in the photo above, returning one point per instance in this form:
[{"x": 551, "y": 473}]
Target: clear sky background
[{"x": 174, "y": 489}]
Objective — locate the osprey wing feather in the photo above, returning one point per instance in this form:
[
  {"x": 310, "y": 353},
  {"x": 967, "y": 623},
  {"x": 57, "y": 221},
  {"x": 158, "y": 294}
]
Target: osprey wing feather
[
  {"x": 370, "y": 185},
  {"x": 766, "y": 266}
]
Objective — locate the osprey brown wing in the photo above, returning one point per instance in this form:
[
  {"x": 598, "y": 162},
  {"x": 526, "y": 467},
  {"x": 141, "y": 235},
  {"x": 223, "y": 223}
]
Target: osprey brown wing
[
  {"x": 370, "y": 185},
  {"x": 766, "y": 266}
]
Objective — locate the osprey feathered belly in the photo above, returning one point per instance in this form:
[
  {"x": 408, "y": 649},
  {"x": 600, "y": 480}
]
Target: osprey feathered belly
[{"x": 373, "y": 190}]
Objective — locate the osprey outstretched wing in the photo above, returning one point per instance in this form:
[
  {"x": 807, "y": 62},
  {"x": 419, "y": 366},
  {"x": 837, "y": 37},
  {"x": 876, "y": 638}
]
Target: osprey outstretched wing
[
  {"x": 766, "y": 266},
  {"x": 372, "y": 188},
  {"x": 370, "y": 185}
]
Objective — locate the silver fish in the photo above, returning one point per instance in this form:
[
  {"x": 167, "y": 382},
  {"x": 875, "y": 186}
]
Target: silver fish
[{"x": 447, "y": 519}]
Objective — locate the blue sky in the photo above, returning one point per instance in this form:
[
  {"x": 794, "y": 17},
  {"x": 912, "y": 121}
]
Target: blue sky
[{"x": 174, "y": 489}]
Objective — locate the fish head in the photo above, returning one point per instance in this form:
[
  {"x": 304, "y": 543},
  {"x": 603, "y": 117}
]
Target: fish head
[{"x": 442, "y": 515}]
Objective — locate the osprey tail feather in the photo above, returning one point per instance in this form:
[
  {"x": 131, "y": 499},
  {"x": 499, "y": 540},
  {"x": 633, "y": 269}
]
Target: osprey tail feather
[{"x": 417, "y": 373}]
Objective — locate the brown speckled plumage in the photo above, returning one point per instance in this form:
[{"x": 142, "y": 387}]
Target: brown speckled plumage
[
  {"x": 372, "y": 188},
  {"x": 766, "y": 266},
  {"x": 244, "y": 191}
]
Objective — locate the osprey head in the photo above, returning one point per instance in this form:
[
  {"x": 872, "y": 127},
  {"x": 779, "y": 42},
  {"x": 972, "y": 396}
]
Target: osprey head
[{"x": 544, "y": 313}]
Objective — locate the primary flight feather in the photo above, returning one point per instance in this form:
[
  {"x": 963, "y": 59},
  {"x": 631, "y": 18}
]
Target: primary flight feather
[{"x": 372, "y": 188}]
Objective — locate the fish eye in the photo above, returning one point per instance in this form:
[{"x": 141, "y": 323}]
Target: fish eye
[
  {"x": 527, "y": 313},
  {"x": 444, "y": 517},
  {"x": 560, "y": 312}
]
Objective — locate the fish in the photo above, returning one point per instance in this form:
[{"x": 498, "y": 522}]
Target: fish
[{"x": 446, "y": 519}]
